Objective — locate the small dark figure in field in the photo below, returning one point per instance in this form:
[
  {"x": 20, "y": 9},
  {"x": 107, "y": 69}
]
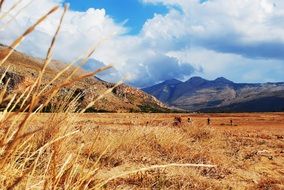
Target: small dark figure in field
[
  {"x": 208, "y": 121},
  {"x": 189, "y": 120},
  {"x": 177, "y": 121},
  {"x": 231, "y": 122}
]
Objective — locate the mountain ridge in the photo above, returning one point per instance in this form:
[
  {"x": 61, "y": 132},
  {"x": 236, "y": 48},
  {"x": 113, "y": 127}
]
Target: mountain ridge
[
  {"x": 24, "y": 69},
  {"x": 220, "y": 95}
]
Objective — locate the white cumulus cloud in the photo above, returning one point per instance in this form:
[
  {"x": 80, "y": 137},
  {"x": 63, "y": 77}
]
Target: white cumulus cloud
[{"x": 239, "y": 39}]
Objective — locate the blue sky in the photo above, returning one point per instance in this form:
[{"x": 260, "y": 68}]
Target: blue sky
[
  {"x": 148, "y": 41},
  {"x": 134, "y": 12}
]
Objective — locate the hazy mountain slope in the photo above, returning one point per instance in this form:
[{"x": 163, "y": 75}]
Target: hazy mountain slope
[
  {"x": 198, "y": 94},
  {"x": 164, "y": 91},
  {"x": 23, "y": 70}
]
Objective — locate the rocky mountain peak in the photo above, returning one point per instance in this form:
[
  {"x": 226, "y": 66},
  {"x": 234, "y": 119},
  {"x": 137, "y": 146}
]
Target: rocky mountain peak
[
  {"x": 172, "y": 82},
  {"x": 223, "y": 80}
]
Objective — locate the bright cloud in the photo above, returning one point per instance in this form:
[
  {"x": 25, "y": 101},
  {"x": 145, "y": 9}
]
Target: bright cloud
[
  {"x": 239, "y": 39},
  {"x": 251, "y": 28},
  {"x": 80, "y": 30}
]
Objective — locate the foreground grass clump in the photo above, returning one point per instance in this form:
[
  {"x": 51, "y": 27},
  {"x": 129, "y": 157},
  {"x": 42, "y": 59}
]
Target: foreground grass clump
[{"x": 60, "y": 152}]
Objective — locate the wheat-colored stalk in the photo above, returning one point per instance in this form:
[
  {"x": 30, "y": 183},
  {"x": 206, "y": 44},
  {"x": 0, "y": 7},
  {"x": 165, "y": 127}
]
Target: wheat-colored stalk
[
  {"x": 125, "y": 174},
  {"x": 14, "y": 16},
  {"x": 17, "y": 3},
  {"x": 53, "y": 141},
  {"x": 1, "y": 4},
  {"x": 62, "y": 169},
  {"x": 4, "y": 74},
  {"x": 91, "y": 104},
  {"x": 51, "y": 47},
  {"x": 19, "y": 179},
  {"x": 18, "y": 41},
  {"x": 3, "y": 92},
  {"x": 82, "y": 59},
  {"x": 52, "y": 92}
]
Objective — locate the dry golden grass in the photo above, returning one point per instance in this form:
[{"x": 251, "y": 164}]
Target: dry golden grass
[
  {"x": 68, "y": 149},
  {"x": 56, "y": 152},
  {"x": 135, "y": 151},
  {"x": 59, "y": 152}
]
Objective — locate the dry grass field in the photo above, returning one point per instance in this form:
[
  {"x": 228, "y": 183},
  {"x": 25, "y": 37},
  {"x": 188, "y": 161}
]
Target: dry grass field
[
  {"x": 69, "y": 149},
  {"x": 248, "y": 155},
  {"x": 148, "y": 151}
]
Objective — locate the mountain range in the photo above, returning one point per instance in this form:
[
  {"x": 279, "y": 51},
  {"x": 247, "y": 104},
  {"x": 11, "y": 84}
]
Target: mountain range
[
  {"x": 196, "y": 94},
  {"x": 219, "y": 95}
]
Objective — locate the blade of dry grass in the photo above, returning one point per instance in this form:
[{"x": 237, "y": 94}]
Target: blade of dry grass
[
  {"x": 1, "y": 4},
  {"x": 5, "y": 72},
  {"x": 54, "y": 141},
  {"x": 36, "y": 97},
  {"x": 89, "y": 178},
  {"x": 19, "y": 179},
  {"x": 69, "y": 66},
  {"x": 74, "y": 168},
  {"x": 17, "y": 3},
  {"x": 47, "y": 169},
  {"x": 62, "y": 169},
  {"x": 25, "y": 136},
  {"x": 100, "y": 97},
  {"x": 52, "y": 92},
  {"x": 15, "y": 15},
  {"x": 51, "y": 47},
  {"x": 33, "y": 168},
  {"x": 13, "y": 142},
  {"x": 18, "y": 41},
  {"x": 4, "y": 90},
  {"x": 100, "y": 185},
  {"x": 81, "y": 59}
]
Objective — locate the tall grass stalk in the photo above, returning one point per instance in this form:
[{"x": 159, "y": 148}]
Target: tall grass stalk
[
  {"x": 18, "y": 41},
  {"x": 1, "y": 4},
  {"x": 14, "y": 16},
  {"x": 17, "y": 3}
]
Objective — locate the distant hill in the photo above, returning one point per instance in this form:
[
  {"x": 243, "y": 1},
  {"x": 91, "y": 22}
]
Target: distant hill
[
  {"x": 220, "y": 95},
  {"x": 24, "y": 69}
]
